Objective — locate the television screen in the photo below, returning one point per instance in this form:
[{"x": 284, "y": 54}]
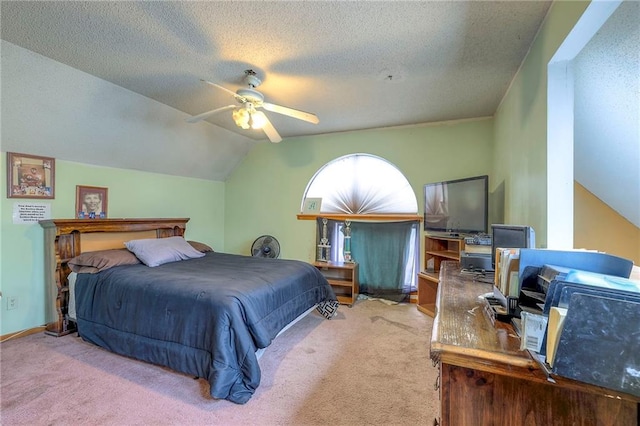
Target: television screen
[{"x": 457, "y": 206}]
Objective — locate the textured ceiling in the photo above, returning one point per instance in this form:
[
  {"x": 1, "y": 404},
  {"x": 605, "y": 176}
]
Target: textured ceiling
[{"x": 357, "y": 65}]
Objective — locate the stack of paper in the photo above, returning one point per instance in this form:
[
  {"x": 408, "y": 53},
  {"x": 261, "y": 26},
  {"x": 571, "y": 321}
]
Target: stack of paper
[
  {"x": 506, "y": 275},
  {"x": 554, "y": 329}
]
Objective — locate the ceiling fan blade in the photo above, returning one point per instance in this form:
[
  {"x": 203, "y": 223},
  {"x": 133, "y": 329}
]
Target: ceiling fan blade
[
  {"x": 234, "y": 94},
  {"x": 208, "y": 114},
  {"x": 301, "y": 115},
  {"x": 268, "y": 128}
]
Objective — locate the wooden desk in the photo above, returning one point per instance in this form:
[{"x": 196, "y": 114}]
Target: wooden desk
[{"x": 486, "y": 380}]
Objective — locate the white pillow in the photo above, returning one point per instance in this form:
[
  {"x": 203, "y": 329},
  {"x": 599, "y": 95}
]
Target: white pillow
[{"x": 157, "y": 251}]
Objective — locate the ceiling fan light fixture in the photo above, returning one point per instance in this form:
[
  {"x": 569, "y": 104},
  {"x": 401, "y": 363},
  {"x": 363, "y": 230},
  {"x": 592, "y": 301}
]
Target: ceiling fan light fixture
[
  {"x": 257, "y": 120},
  {"x": 241, "y": 117},
  {"x": 247, "y": 117}
]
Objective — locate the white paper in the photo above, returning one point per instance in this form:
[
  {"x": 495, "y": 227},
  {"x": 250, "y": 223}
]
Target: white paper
[
  {"x": 27, "y": 213},
  {"x": 533, "y": 329}
]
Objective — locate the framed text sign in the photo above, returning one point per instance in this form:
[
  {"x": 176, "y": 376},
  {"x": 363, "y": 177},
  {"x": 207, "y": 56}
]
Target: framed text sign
[{"x": 29, "y": 212}]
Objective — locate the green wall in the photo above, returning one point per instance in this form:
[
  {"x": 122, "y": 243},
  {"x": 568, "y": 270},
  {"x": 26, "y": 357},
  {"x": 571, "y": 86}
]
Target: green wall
[
  {"x": 131, "y": 194},
  {"x": 264, "y": 194},
  {"x": 520, "y": 154}
]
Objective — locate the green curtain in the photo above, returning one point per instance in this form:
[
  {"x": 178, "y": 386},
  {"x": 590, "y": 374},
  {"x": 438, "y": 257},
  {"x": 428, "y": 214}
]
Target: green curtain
[{"x": 382, "y": 251}]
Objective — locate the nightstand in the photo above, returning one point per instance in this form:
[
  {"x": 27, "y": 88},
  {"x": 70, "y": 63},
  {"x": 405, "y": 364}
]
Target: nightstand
[{"x": 343, "y": 278}]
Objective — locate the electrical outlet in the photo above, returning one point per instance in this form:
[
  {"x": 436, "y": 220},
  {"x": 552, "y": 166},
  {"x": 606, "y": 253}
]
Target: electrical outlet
[{"x": 12, "y": 302}]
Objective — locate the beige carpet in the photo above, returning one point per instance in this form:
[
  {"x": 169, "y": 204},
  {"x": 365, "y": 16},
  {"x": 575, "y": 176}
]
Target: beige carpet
[{"x": 368, "y": 366}]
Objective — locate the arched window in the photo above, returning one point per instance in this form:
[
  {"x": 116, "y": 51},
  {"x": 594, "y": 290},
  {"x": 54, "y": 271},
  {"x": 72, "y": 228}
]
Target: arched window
[
  {"x": 361, "y": 184},
  {"x": 352, "y": 187}
]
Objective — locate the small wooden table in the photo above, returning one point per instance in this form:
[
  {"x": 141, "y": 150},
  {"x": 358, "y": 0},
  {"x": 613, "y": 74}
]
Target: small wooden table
[
  {"x": 343, "y": 278},
  {"x": 485, "y": 379}
]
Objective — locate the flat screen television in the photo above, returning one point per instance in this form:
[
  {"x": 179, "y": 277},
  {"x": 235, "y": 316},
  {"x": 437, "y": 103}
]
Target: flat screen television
[{"x": 458, "y": 206}]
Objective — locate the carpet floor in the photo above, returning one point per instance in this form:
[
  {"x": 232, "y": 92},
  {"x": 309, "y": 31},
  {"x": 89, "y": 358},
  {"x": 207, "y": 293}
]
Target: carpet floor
[{"x": 368, "y": 366}]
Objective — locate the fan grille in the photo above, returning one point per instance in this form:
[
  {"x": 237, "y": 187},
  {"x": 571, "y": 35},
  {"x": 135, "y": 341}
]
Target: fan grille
[{"x": 265, "y": 246}]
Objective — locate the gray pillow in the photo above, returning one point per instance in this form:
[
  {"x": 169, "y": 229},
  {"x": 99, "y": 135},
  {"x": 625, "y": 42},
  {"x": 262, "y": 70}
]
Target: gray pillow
[
  {"x": 96, "y": 261},
  {"x": 201, "y": 247},
  {"x": 158, "y": 251}
]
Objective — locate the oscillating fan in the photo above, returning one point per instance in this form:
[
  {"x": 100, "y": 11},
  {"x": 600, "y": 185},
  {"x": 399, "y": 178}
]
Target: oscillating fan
[{"x": 265, "y": 246}]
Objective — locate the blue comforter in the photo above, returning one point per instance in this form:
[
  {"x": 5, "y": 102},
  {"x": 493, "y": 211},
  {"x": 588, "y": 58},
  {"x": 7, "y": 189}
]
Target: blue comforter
[{"x": 205, "y": 317}]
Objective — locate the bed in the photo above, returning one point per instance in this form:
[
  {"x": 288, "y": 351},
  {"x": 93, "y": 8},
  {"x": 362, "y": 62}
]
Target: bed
[{"x": 208, "y": 316}]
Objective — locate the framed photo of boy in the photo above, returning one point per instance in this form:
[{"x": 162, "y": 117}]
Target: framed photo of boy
[
  {"x": 91, "y": 202},
  {"x": 30, "y": 176}
]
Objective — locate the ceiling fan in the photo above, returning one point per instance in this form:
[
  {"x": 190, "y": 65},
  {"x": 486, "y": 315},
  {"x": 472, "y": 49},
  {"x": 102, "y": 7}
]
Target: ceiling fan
[{"x": 247, "y": 116}]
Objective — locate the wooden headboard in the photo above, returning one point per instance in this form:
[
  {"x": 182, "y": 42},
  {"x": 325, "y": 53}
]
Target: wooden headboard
[{"x": 67, "y": 238}]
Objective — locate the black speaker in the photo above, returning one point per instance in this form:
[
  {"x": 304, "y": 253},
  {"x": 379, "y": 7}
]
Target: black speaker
[{"x": 511, "y": 236}]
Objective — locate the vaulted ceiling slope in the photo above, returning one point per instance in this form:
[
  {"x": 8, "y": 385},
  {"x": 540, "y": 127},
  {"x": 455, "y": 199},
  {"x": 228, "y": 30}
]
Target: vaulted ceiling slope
[
  {"x": 607, "y": 112},
  {"x": 357, "y": 65}
]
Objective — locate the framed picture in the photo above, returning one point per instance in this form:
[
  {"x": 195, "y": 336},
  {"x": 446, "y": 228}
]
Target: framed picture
[
  {"x": 312, "y": 205},
  {"x": 30, "y": 176},
  {"x": 91, "y": 202}
]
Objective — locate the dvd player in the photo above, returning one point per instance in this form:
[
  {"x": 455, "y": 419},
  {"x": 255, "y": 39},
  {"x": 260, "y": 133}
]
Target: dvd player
[
  {"x": 478, "y": 240},
  {"x": 476, "y": 261}
]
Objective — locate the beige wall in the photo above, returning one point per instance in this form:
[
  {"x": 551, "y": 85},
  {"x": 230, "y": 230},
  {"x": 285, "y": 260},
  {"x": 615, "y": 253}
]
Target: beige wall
[{"x": 598, "y": 227}]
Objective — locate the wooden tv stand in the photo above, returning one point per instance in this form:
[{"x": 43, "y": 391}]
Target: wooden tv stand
[
  {"x": 485, "y": 379},
  {"x": 343, "y": 278},
  {"x": 436, "y": 250}
]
